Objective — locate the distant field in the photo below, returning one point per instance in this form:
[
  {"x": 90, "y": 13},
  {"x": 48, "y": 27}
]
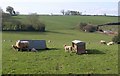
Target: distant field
[{"x": 101, "y": 59}]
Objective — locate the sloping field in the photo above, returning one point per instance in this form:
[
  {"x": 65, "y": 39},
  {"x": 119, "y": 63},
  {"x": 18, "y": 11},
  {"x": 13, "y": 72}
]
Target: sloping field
[{"x": 101, "y": 59}]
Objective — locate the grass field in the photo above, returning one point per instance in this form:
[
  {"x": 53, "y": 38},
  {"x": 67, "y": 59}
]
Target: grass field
[{"x": 101, "y": 59}]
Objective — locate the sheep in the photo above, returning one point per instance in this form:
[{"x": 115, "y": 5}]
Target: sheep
[
  {"x": 15, "y": 47},
  {"x": 67, "y": 48},
  {"x": 4, "y": 40},
  {"x": 75, "y": 49},
  {"x": 110, "y": 43},
  {"x": 49, "y": 41},
  {"x": 103, "y": 42},
  {"x": 21, "y": 45}
]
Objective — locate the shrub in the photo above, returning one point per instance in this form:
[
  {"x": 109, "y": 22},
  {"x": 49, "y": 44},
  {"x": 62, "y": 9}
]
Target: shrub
[
  {"x": 81, "y": 26},
  {"x": 32, "y": 23},
  {"x": 10, "y": 25},
  {"x": 33, "y": 20},
  {"x": 87, "y": 27},
  {"x": 116, "y": 39},
  {"x": 41, "y": 27},
  {"x": 28, "y": 28},
  {"x": 90, "y": 28}
]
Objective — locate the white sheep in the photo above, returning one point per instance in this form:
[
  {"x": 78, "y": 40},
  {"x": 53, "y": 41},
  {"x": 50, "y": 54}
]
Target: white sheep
[
  {"x": 110, "y": 43},
  {"x": 67, "y": 48},
  {"x": 21, "y": 45},
  {"x": 102, "y": 42},
  {"x": 49, "y": 41}
]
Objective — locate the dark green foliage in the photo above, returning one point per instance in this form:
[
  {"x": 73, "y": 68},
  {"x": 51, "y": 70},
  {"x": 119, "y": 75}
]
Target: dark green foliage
[
  {"x": 87, "y": 27},
  {"x": 81, "y": 26},
  {"x": 69, "y": 12},
  {"x": 90, "y": 28},
  {"x": 41, "y": 27},
  {"x": 29, "y": 28},
  {"x": 5, "y": 16},
  {"x": 116, "y": 39}
]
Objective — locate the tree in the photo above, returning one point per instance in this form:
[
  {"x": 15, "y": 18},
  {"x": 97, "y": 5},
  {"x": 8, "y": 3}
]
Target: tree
[
  {"x": 81, "y": 26},
  {"x": 87, "y": 27},
  {"x": 90, "y": 28},
  {"x": 63, "y": 12},
  {"x": 33, "y": 20},
  {"x": 10, "y": 10},
  {"x": 73, "y": 13},
  {"x": 67, "y": 12}
]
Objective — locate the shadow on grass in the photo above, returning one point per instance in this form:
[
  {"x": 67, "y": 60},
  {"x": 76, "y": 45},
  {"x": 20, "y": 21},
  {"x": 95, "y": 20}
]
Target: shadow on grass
[
  {"x": 41, "y": 50},
  {"x": 53, "y": 49},
  {"x": 58, "y": 32},
  {"x": 94, "y": 51}
]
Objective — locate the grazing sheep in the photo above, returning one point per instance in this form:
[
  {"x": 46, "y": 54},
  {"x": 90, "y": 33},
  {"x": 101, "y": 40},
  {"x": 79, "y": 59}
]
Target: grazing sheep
[
  {"x": 103, "y": 42},
  {"x": 21, "y": 45},
  {"x": 110, "y": 43},
  {"x": 67, "y": 48},
  {"x": 75, "y": 49},
  {"x": 15, "y": 47}
]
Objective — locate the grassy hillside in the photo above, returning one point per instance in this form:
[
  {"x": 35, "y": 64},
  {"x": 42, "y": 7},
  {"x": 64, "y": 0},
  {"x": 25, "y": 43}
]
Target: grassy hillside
[
  {"x": 101, "y": 59},
  {"x": 69, "y": 22}
]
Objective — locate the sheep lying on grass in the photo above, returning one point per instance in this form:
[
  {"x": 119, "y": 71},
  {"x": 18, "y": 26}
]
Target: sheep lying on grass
[
  {"x": 49, "y": 41},
  {"x": 103, "y": 42},
  {"x": 67, "y": 48},
  {"x": 110, "y": 43}
]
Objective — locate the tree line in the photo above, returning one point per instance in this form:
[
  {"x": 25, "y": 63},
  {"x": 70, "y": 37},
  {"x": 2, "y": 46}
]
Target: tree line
[{"x": 69, "y": 12}]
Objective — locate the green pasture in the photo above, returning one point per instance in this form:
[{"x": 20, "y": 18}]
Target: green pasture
[
  {"x": 70, "y": 22},
  {"x": 101, "y": 59}
]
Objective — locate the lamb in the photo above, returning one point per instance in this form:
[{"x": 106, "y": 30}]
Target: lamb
[
  {"x": 49, "y": 41},
  {"x": 103, "y": 42},
  {"x": 67, "y": 48},
  {"x": 110, "y": 43}
]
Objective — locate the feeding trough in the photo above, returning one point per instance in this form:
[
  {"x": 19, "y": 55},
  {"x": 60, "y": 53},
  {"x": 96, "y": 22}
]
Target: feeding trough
[{"x": 79, "y": 46}]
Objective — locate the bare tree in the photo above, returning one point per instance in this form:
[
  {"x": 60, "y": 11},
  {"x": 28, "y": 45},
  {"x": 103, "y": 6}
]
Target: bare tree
[{"x": 63, "y": 12}]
